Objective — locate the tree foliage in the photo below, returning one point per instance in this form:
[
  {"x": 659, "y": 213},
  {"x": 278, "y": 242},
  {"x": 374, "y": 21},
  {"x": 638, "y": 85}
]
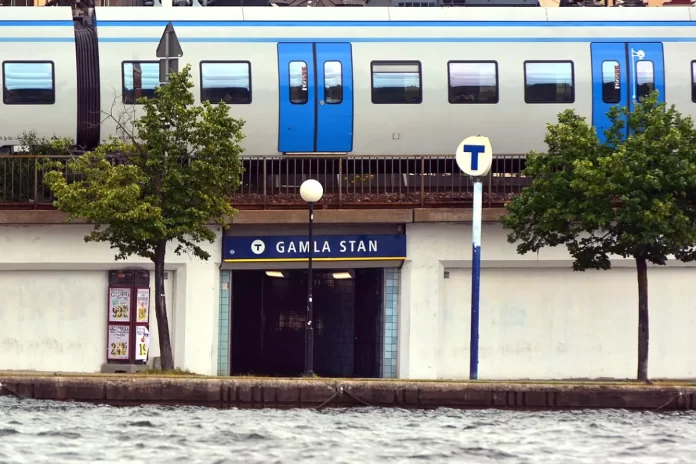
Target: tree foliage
[
  {"x": 163, "y": 180},
  {"x": 629, "y": 196}
]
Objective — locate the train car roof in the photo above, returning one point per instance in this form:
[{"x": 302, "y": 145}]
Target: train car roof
[
  {"x": 496, "y": 16},
  {"x": 386, "y": 16}
]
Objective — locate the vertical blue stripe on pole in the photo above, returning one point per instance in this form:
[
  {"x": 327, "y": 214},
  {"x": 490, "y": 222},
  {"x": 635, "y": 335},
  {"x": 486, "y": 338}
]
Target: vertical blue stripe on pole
[{"x": 475, "y": 279}]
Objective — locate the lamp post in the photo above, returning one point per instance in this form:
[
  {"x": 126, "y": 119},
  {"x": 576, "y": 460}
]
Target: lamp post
[{"x": 311, "y": 191}]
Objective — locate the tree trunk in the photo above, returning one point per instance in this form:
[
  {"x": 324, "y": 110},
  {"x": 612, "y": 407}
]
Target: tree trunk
[
  {"x": 166, "y": 357},
  {"x": 643, "y": 320}
]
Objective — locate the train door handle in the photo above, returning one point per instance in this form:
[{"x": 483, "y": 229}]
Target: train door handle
[{"x": 321, "y": 102}]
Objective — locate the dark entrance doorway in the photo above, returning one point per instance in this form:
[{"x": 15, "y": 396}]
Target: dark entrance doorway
[{"x": 268, "y": 321}]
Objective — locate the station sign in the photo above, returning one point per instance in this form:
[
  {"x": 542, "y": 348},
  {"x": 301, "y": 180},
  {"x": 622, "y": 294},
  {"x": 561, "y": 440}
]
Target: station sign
[
  {"x": 295, "y": 248},
  {"x": 474, "y": 156}
]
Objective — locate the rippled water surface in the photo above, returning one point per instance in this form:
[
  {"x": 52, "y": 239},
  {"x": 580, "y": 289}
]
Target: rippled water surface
[{"x": 42, "y": 431}]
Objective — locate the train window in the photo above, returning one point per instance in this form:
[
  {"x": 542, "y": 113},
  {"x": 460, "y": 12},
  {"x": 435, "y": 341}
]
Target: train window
[
  {"x": 473, "y": 82},
  {"x": 693, "y": 81},
  {"x": 611, "y": 82},
  {"x": 396, "y": 82},
  {"x": 333, "y": 82},
  {"x": 645, "y": 79},
  {"x": 28, "y": 83},
  {"x": 140, "y": 79},
  {"x": 228, "y": 81},
  {"x": 549, "y": 82},
  {"x": 298, "y": 82}
]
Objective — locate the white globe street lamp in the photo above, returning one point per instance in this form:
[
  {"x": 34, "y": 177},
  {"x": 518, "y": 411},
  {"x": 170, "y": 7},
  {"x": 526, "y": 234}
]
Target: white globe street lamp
[{"x": 311, "y": 191}]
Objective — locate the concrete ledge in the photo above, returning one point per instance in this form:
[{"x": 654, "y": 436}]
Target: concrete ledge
[
  {"x": 35, "y": 217},
  {"x": 341, "y": 216},
  {"x": 123, "y": 368},
  {"x": 455, "y": 214},
  {"x": 326, "y": 216},
  {"x": 310, "y": 393}
]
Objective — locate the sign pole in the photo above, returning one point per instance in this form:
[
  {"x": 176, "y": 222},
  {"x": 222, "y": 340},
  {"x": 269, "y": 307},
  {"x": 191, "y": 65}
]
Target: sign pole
[
  {"x": 475, "y": 157},
  {"x": 167, "y": 57},
  {"x": 475, "y": 279}
]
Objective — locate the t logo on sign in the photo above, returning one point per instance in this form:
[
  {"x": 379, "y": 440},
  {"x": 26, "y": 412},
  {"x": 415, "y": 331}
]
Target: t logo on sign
[
  {"x": 475, "y": 156},
  {"x": 475, "y": 151},
  {"x": 258, "y": 247}
]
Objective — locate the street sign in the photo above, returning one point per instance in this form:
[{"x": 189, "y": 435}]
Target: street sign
[
  {"x": 475, "y": 156},
  {"x": 169, "y": 49},
  {"x": 169, "y": 46}
]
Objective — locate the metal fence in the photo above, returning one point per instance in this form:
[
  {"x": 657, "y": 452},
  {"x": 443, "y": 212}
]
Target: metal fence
[{"x": 349, "y": 182}]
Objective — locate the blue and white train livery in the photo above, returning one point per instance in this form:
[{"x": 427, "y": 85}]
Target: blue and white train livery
[{"x": 363, "y": 81}]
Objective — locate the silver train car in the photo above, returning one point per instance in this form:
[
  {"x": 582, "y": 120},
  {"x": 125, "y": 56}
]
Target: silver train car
[{"x": 362, "y": 81}]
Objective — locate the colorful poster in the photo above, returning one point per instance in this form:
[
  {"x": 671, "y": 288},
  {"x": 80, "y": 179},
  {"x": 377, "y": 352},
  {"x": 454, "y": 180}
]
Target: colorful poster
[
  {"x": 119, "y": 304},
  {"x": 142, "y": 343},
  {"x": 143, "y": 305},
  {"x": 118, "y": 342}
]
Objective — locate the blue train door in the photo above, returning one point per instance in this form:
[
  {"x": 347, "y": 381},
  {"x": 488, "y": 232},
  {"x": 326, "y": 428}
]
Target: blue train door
[
  {"x": 316, "y": 97},
  {"x": 621, "y": 74}
]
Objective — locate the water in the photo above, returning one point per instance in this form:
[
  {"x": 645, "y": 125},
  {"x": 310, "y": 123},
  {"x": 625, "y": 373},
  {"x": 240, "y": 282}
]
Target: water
[{"x": 43, "y": 431}]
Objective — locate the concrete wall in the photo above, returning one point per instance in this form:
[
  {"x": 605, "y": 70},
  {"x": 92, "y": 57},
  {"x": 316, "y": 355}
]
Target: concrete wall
[
  {"x": 53, "y": 308},
  {"x": 539, "y": 319}
]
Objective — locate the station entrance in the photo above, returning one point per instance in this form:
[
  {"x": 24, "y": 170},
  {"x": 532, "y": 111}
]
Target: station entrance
[{"x": 268, "y": 315}]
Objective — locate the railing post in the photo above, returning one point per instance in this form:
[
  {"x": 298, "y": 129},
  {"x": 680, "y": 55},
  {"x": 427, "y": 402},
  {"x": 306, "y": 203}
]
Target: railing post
[
  {"x": 422, "y": 186},
  {"x": 36, "y": 183},
  {"x": 340, "y": 182},
  {"x": 265, "y": 177},
  {"x": 490, "y": 188}
]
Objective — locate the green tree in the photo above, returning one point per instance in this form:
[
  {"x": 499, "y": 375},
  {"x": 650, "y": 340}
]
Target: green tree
[
  {"x": 630, "y": 196},
  {"x": 162, "y": 181}
]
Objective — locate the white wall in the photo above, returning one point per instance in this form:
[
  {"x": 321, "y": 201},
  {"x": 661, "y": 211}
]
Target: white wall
[
  {"x": 539, "y": 319},
  {"x": 53, "y": 307}
]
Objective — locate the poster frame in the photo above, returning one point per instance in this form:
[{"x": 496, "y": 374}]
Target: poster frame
[{"x": 133, "y": 281}]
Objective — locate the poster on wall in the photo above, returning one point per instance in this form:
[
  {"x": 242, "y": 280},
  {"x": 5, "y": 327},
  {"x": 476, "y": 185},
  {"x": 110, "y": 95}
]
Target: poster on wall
[
  {"x": 143, "y": 305},
  {"x": 118, "y": 342},
  {"x": 119, "y": 304},
  {"x": 142, "y": 343}
]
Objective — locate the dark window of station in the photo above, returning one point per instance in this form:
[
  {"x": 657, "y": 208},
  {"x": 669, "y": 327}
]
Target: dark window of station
[
  {"x": 140, "y": 79},
  {"x": 645, "y": 79},
  {"x": 693, "y": 81},
  {"x": 549, "y": 82},
  {"x": 473, "y": 82},
  {"x": 333, "y": 82},
  {"x": 298, "y": 82},
  {"x": 611, "y": 82},
  {"x": 228, "y": 81},
  {"x": 28, "y": 83},
  {"x": 396, "y": 82}
]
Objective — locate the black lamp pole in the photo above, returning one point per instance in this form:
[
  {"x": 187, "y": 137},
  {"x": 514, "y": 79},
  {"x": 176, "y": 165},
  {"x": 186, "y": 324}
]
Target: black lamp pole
[{"x": 309, "y": 327}]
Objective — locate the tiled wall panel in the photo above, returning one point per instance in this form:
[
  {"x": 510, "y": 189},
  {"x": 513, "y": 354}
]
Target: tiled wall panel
[
  {"x": 224, "y": 323},
  {"x": 391, "y": 314}
]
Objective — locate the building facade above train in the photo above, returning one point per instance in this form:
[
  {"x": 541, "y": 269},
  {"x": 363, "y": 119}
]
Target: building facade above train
[{"x": 363, "y": 81}]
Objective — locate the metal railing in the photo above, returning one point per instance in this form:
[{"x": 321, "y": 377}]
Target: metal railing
[{"x": 349, "y": 182}]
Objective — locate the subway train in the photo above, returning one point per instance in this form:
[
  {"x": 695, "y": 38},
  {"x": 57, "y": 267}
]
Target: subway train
[{"x": 358, "y": 81}]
